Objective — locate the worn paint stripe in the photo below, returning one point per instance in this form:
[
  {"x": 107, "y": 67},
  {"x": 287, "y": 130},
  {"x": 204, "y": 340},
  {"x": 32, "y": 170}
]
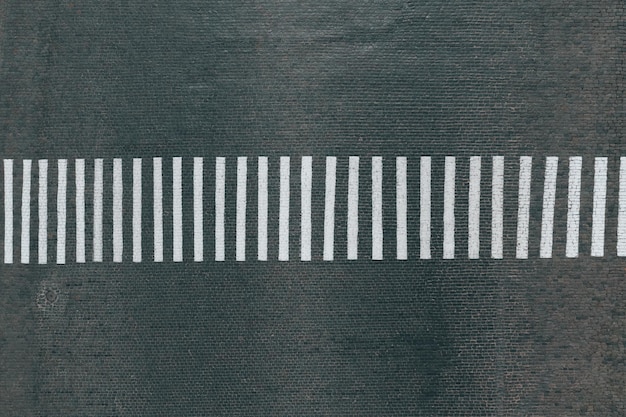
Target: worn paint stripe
[
  {"x": 425, "y": 209},
  {"x": 283, "y": 215},
  {"x": 523, "y": 213},
  {"x": 329, "y": 208},
  {"x": 177, "y": 209},
  {"x": 353, "y": 208},
  {"x": 306, "y": 186},
  {"x": 547, "y": 213},
  {"x": 25, "y": 229},
  {"x": 240, "y": 221},
  {"x": 61, "y": 209},
  {"x": 473, "y": 212},
  {"x": 599, "y": 207},
  {"x": 401, "y": 208},
  {"x": 448, "y": 208}
]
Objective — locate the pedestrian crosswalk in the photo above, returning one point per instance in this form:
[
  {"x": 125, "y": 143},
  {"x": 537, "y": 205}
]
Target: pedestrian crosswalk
[{"x": 90, "y": 205}]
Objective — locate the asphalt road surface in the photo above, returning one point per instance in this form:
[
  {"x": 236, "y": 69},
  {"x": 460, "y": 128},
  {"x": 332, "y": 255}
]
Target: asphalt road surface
[{"x": 416, "y": 337}]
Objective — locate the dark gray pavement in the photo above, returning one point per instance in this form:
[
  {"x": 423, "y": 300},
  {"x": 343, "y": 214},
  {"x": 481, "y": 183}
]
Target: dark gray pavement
[{"x": 225, "y": 78}]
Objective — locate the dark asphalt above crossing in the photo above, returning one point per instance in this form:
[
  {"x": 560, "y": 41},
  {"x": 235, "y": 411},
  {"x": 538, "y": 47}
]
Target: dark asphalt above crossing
[{"x": 438, "y": 337}]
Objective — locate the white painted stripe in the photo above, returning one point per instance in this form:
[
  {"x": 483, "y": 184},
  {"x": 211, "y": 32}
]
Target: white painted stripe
[
  {"x": 377, "y": 208},
  {"x": 401, "y": 209},
  {"x": 353, "y": 207},
  {"x": 98, "y": 196},
  {"x": 497, "y": 207},
  {"x": 523, "y": 213},
  {"x": 177, "y": 209},
  {"x": 8, "y": 211},
  {"x": 425, "y": 188},
  {"x": 547, "y": 213},
  {"x": 220, "y": 200},
  {"x": 262, "y": 209},
  {"x": 473, "y": 211},
  {"x": 198, "y": 210},
  {"x": 26, "y": 182},
  {"x": 157, "y": 191},
  {"x": 306, "y": 185},
  {"x": 621, "y": 215},
  {"x": 137, "y": 191},
  {"x": 118, "y": 232},
  {"x": 242, "y": 179},
  {"x": 573, "y": 206},
  {"x": 42, "y": 252},
  {"x": 448, "y": 208},
  {"x": 329, "y": 208},
  {"x": 283, "y": 216},
  {"x": 79, "y": 168},
  {"x": 61, "y": 209},
  {"x": 599, "y": 207}
]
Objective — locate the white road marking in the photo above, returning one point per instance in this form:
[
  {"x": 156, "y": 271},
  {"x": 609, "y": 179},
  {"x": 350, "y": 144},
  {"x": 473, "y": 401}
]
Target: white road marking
[
  {"x": 42, "y": 251},
  {"x": 599, "y": 207},
  {"x": 177, "y": 209},
  {"x": 283, "y": 215},
  {"x": 425, "y": 188},
  {"x": 262, "y": 208},
  {"x": 8, "y": 211},
  {"x": 377, "y": 208},
  {"x": 198, "y": 210},
  {"x": 242, "y": 179},
  {"x": 401, "y": 208},
  {"x": 220, "y": 197},
  {"x": 26, "y": 185},
  {"x": 306, "y": 185},
  {"x": 497, "y": 207},
  {"x": 473, "y": 212},
  {"x": 329, "y": 208},
  {"x": 118, "y": 207},
  {"x": 547, "y": 213},
  {"x": 98, "y": 197},
  {"x": 448, "y": 208},
  {"x": 306, "y": 177},
  {"x": 523, "y": 213},
  {"x": 137, "y": 209},
  {"x": 157, "y": 210},
  {"x": 79, "y": 169},
  {"x": 353, "y": 207},
  {"x": 573, "y": 206},
  {"x": 621, "y": 216},
  {"x": 61, "y": 209}
]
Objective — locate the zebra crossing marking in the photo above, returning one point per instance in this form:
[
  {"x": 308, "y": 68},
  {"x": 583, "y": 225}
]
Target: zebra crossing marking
[{"x": 328, "y": 181}]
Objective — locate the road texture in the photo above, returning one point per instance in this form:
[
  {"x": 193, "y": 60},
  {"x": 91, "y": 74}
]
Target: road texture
[{"x": 454, "y": 337}]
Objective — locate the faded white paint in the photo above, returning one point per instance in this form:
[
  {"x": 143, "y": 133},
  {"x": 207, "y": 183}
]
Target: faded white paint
[
  {"x": 473, "y": 211},
  {"x": 573, "y": 206},
  {"x": 448, "y": 207},
  {"x": 306, "y": 184},
  {"x": 26, "y": 186},
  {"x": 599, "y": 207},
  {"x": 547, "y": 213},
  {"x": 425, "y": 210},
  {"x": 137, "y": 209},
  {"x": 377, "y": 208},
  {"x": 353, "y": 207},
  {"x": 240, "y": 220},
  {"x": 401, "y": 208},
  {"x": 329, "y": 208},
  {"x": 283, "y": 214},
  {"x": 61, "y": 209},
  {"x": 523, "y": 205},
  {"x": 157, "y": 190}
]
